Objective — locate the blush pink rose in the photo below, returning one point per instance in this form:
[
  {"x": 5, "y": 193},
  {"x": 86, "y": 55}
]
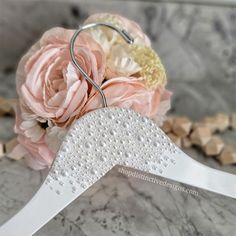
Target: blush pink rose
[
  {"x": 49, "y": 84},
  {"x": 131, "y": 92},
  {"x": 52, "y": 92}
]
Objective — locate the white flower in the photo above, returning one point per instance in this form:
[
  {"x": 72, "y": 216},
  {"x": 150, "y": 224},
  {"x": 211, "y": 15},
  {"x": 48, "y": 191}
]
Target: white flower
[
  {"x": 34, "y": 127},
  {"x": 120, "y": 62},
  {"x": 105, "y": 38}
]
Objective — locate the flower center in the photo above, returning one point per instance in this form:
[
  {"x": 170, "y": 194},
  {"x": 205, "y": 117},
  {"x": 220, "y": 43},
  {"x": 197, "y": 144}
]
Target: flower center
[
  {"x": 43, "y": 125},
  {"x": 152, "y": 70}
]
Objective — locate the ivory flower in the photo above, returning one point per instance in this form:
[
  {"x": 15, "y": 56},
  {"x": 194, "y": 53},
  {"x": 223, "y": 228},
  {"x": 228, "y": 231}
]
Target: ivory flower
[
  {"x": 31, "y": 139},
  {"x": 119, "y": 60},
  {"x": 108, "y": 38}
]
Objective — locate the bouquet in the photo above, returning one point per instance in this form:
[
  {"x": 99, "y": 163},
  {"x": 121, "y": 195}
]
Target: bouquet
[{"x": 53, "y": 94}]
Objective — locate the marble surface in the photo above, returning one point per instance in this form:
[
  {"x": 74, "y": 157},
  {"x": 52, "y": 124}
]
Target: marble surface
[{"x": 198, "y": 47}]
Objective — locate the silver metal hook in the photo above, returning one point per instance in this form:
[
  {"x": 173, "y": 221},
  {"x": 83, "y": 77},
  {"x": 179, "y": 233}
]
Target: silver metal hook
[{"x": 125, "y": 35}]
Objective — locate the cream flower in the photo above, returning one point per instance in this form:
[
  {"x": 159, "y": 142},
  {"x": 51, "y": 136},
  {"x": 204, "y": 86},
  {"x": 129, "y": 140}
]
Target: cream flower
[
  {"x": 128, "y": 60},
  {"x": 32, "y": 126},
  {"x": 108, "y": 38},
  {"x": 119, "y": 61},
  {"x": 31, "y": 134}
]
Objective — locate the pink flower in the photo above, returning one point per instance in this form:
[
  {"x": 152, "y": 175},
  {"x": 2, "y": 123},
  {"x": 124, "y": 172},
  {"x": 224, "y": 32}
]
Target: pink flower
[
  {"x": 52, "y": 92},
  {"x": 131, "y": 92},
  {"x": 49, "y": 84},
  {"x": 164, "y": 107}
]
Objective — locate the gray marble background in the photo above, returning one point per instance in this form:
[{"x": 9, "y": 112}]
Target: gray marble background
[{"x": 197, "y": 44}]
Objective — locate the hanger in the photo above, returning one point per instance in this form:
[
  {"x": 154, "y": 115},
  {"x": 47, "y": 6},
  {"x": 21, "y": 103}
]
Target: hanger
[{"x": 108, "y": 137}]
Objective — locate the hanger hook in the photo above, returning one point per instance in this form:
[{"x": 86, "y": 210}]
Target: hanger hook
[{"x": 125, "y": 35}]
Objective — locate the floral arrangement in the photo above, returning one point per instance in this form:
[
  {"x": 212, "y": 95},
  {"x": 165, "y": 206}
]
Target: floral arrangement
[{"x": 53, "y": 94}]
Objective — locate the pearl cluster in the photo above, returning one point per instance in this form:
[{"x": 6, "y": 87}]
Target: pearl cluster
[{"x": 107, "y": 137}]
